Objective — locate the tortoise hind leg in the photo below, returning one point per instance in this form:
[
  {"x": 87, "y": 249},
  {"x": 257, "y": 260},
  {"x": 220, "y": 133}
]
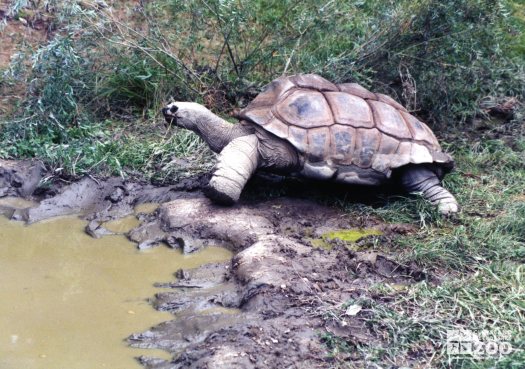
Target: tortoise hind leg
[
  {"x": 421, "y": 179},
  {"x": 236, "y": 164}
]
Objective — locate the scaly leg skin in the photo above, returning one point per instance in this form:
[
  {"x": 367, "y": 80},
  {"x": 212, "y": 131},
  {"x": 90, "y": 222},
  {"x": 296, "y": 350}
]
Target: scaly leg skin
[
  {"x": 423, "y": 180},
  {"x": 237, "y": 162}
]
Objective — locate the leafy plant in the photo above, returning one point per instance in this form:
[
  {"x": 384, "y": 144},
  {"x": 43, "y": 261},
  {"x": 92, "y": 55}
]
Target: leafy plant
[{"x": 440, "y": 58}]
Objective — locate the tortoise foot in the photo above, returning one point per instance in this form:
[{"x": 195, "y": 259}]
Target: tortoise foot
[
  {"x": 222, "y": 193},
  {"x": 448, "y": 208}
]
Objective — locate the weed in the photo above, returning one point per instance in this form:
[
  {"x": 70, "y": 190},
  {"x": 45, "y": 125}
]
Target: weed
[
  {"x": 413, "y": 325},
  {"x": 440, "y": 58},
  {"x": 478, "y": 257}
]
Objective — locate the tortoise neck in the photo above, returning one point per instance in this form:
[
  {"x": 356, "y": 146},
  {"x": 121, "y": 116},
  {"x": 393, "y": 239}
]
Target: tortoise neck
[{"x": 217, "y": 132}]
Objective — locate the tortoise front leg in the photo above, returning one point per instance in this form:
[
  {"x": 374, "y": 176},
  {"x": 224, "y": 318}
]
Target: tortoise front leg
[
  {"x": 237, "y": 162},
  {"x": 422, "y": 179}
]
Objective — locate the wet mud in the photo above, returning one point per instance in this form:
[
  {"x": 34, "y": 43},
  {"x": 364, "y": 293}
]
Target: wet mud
[
  {"x": 19, "y": 178},
  {"x": 279, "y": 283},
  {"x": 267, "y": 307}
]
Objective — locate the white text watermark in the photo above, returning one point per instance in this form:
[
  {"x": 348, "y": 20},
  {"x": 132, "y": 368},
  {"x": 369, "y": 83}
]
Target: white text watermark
[{"x": 462, "y": 343}]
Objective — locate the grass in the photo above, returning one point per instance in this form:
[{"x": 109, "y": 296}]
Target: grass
[
  {"x": 94, "y": 90},
  {"x": 478, "y": 257},
  {"x": 439, "y": 58},
  {"x": 145, "y": 151},
  {"x": 413, "y": 324}
]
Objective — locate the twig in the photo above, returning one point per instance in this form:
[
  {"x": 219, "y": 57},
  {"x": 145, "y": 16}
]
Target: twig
[
  {"x": 94, "y": 179},
  {"x": 297, "y": 43},
  {"x": 129, "y": 44},
  {"x": 222, "y": 51}
]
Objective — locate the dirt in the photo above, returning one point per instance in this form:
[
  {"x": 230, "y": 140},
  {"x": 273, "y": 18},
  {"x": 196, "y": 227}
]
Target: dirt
[
  {"x": 269, "y": 307},
  {"x": 18, "y": 35},
  {"x": 19, "y": 178}
]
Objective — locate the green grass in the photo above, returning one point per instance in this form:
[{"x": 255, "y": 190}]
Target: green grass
[
  {"x": 477, "y": 257},
  {"x": 412, "y": 326},
  {"x": 518, "y": 22},
  {"x": 438, "y": 57},
  {"x": 140, "y": 151},
  {"x": 94, "y": 90}
]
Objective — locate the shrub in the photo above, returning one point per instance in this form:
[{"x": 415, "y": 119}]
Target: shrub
[
  {"x": 440, "y": 58},
  {"x": 448, "y": 56}
]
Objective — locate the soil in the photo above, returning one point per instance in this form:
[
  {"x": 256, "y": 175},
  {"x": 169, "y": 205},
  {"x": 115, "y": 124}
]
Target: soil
[
  {"x": 267, "y": 308},
  {"x": 19, "y": 178},
  {"x": 18, "y": 35}
]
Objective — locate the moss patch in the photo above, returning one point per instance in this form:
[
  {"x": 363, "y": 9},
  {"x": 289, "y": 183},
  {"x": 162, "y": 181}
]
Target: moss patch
[
  {"x": 350, "y": 235},
  {"x": 344, "y": 235}
]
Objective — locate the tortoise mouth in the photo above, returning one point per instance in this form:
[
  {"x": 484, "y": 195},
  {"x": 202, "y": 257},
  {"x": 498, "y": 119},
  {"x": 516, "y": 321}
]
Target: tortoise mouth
[{"x": 170, "y": 115}]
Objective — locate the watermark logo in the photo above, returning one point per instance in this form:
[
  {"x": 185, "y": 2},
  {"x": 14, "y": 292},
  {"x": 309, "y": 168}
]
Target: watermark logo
[{"x": 462, "y": 343}]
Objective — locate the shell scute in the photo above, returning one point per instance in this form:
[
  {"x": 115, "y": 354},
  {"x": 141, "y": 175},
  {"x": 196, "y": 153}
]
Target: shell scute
[
  {"x": 271, "y": 93},
  {"x": 343, "y": 143},
  {"x": 306, "y": 109},
  {"x": 298, "y": 137},
  {"x": 356, "y": 89},
  {"x": 402, "y": 155},
  {"x": 420, "y": 131},
  {"x": 366, "y": 145},
  {"x": 313, "y": 81},
  {"x": 390, "y": 101},
  {"x": 389, "y": 120},
  {"x": 387, "y": 147},
  {"x": 420, "y": 154},
  {"x": 318, "y": 144},
  {"x": 278, "y": 128},
  {"x": 260, "y": 116},
  {"x": 349, "y": 109}
]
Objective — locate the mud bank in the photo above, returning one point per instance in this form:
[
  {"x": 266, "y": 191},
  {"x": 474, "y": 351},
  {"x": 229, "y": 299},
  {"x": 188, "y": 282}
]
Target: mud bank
[
  {"x": 282, "y": 286},
  {"x": 267, "y": 308},
  {"x": 97, "y": 200},
  {"x": 19, "y": 178}
]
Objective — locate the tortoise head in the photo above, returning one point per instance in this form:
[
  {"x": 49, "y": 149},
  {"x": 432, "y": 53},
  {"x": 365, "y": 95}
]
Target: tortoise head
[{"x": 183, "y": 114}]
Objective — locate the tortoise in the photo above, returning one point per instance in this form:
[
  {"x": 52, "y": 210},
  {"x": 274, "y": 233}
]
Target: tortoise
[{"x": 306, "y": 125}]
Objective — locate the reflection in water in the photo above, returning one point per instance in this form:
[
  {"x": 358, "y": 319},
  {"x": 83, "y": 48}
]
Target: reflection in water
[{"x": 67, "y": 301}]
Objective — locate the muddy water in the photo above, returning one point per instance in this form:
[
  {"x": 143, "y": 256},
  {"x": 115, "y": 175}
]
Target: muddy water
[
  {"x": 67, "y": 301},
  {"x": 122, "y": 225}
]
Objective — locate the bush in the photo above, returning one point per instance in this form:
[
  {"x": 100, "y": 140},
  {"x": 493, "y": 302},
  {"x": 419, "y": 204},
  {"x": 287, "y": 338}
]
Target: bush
[
  {"x": 440, "y": 58},
  {"x": 449, "y": 56}
]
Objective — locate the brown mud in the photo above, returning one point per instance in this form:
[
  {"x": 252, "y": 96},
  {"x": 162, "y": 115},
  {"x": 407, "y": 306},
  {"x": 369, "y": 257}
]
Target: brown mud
[{"x": 267, "y": 308}]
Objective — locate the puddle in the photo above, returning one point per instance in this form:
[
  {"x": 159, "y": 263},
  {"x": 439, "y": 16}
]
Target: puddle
[
  {"x": 123, "y": 225},
  {"x": 68, "y": 300},
  {"x": 126, "y": 224}
]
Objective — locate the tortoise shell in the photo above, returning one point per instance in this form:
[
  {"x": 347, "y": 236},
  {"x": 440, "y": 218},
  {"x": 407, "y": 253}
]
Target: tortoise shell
[{"x": 344, "y": 125}]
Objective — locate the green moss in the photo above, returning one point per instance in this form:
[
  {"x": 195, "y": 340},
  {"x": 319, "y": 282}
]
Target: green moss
[
  {"x": 350, "y": 235},
  {"x": 320, "y": 243},
  {"x": 345, "y": 235}
]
